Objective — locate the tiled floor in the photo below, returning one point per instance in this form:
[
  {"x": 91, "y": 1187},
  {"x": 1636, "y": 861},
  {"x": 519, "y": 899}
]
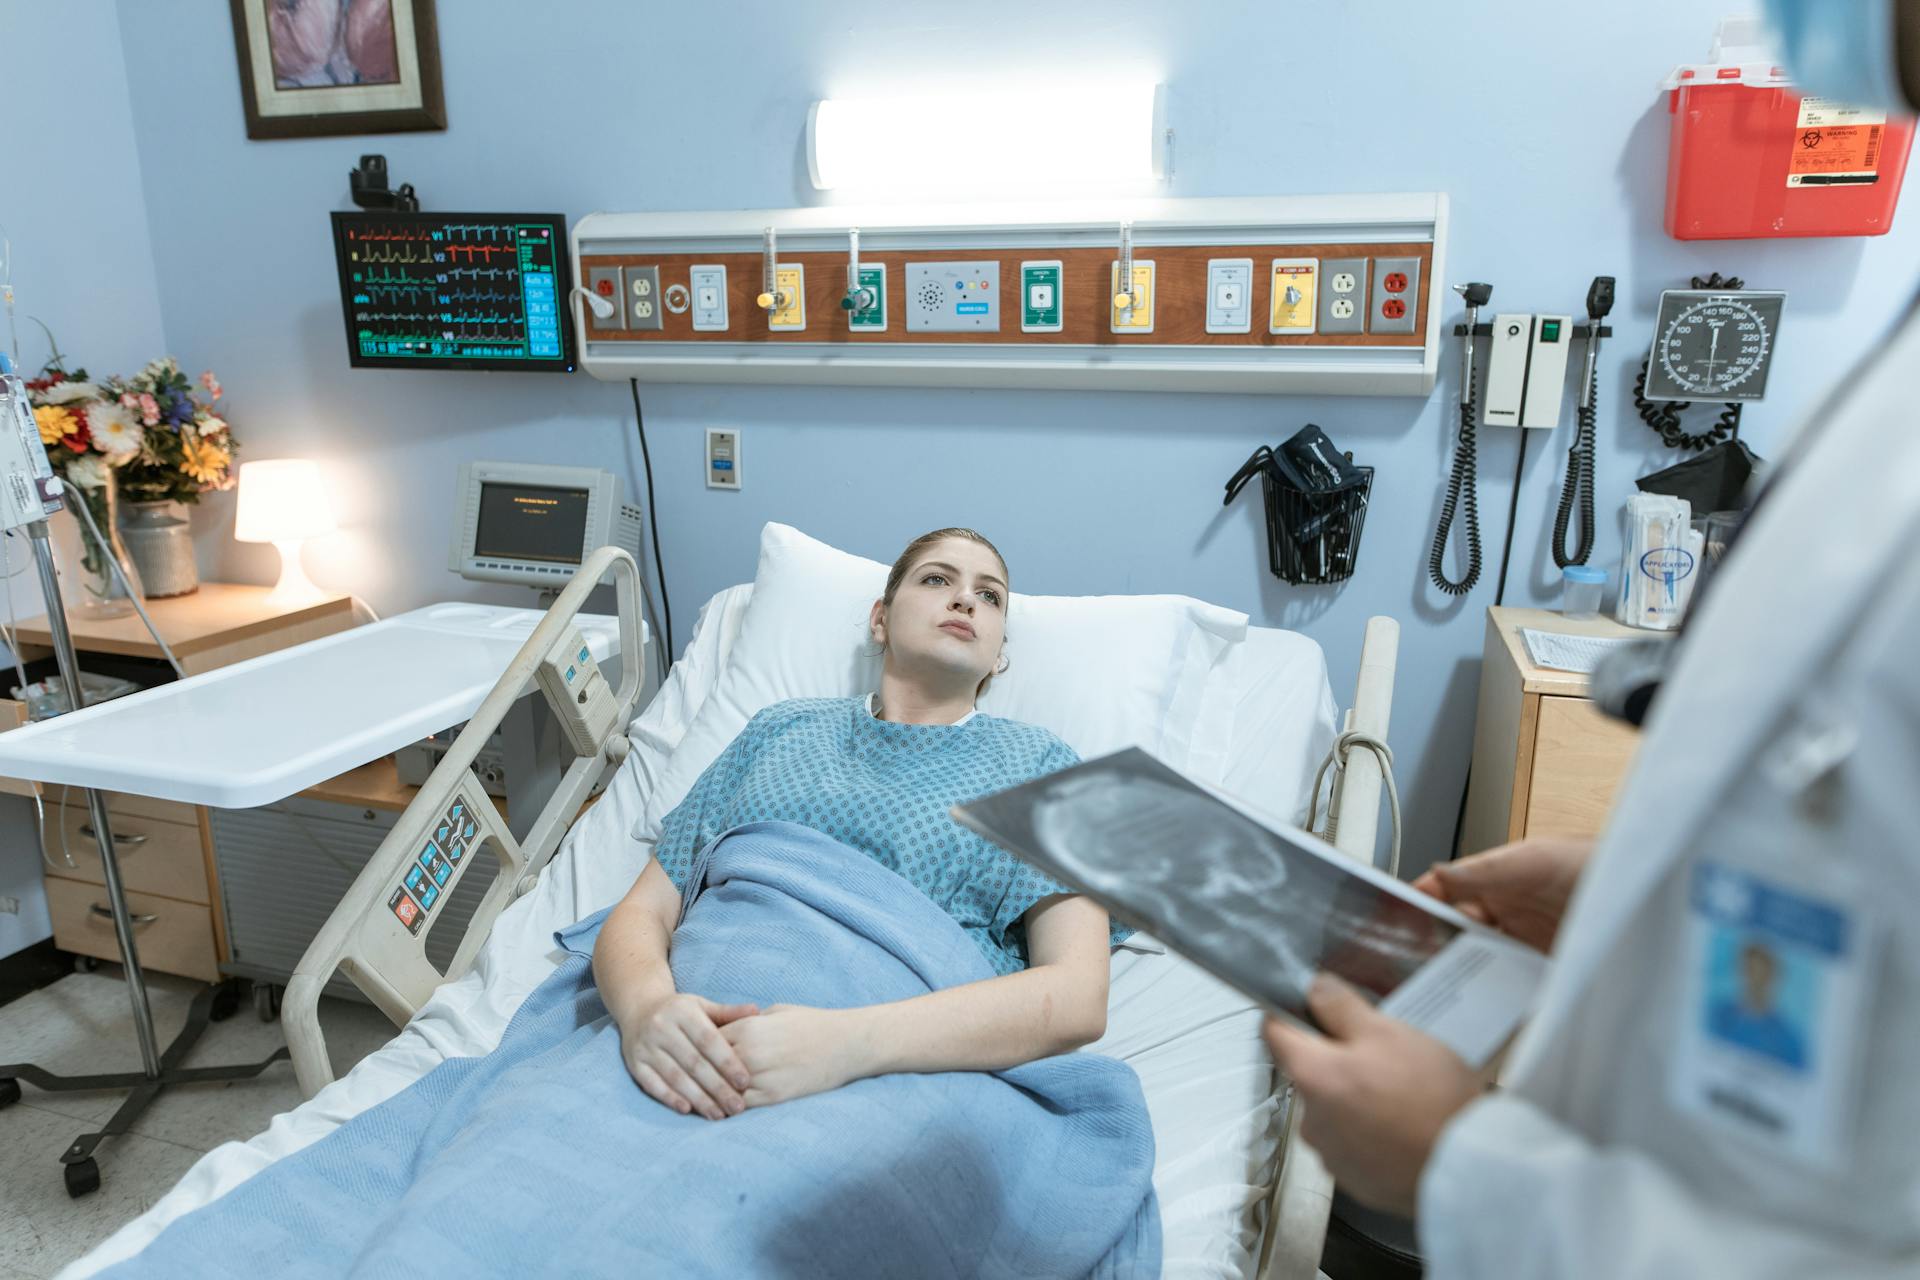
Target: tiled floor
[{"x": 83, "y": 1023}]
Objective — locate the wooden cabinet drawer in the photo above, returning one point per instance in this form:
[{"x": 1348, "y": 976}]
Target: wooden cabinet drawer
[
  {"x": 1579, "y": 758},
  {"x": 122, "y": 806},
  {"x": 155, "y": 856},
  {"x": 178, "y": 938}
]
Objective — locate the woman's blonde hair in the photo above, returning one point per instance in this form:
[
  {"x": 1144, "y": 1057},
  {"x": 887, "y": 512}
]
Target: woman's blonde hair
[{"x": 898, "y": 574}]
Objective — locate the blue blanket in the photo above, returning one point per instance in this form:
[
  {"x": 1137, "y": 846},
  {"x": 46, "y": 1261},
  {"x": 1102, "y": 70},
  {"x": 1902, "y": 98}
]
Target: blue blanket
[{"x": 544, "y": 1158}]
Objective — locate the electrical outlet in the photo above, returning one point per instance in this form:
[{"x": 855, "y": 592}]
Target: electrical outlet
[
  {"x": 709, "y": 284},
  {"x": 643, "y": 298},
  {"x": 9, "y": 906},
  {"x": 1396, "y": 295},
  {"x": 790, "y": 280},
  {"x": 1291, "y": 302},
  {"x": 608, "y": 283},
  {"x": 1137, "y": 318},
  {"x": 723, "y": 458},
  {"x": 1344, "y": 288}
]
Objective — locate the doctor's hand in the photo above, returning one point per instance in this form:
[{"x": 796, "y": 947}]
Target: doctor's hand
[
  {"x": 1521, "y": 889},
  {"x": 675, "y": 1051},
  {"x": 1377, "y": 1093},
  {"x": 793, "y": 1050}
]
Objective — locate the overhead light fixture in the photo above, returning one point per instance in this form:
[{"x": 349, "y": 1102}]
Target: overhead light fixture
[{"x": 1007, "y": 142}]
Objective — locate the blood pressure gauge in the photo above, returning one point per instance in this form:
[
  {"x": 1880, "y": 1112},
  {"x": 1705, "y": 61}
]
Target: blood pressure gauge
[{"x": 1713, "y": 345}]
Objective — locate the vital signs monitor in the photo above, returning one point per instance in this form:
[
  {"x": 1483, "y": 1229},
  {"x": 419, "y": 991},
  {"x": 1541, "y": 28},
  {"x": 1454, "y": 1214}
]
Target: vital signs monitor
[{"x": 533, "y": 523}]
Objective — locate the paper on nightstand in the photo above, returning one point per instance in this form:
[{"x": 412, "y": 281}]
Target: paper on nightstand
[{"x": 1564, "y": 652}]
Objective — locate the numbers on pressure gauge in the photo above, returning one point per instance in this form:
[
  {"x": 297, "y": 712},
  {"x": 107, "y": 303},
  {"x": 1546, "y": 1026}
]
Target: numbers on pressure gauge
[{"x": 1713, "y": 345}]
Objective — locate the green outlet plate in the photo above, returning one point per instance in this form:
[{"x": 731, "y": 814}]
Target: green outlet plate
[
  {"x": 1040, "y": 297},
  {"x": 874, "y": 317}
]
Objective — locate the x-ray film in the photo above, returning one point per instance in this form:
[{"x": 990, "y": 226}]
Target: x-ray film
[{"x": 1259, "y": 904}]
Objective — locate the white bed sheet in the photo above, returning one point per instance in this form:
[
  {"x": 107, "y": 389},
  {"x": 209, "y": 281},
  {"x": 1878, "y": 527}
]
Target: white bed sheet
[{"x": 1194, "y": 1042}]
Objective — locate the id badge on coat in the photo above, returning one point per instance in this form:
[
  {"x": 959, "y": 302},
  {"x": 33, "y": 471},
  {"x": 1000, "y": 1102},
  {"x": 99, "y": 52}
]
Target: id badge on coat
[{"x": 1772, "y": 1021}]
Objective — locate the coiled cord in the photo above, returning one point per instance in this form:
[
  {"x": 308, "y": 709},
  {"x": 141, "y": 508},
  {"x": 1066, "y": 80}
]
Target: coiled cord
[
  {"x": 1665, "y": 418},
  {"x": 1579, "y": 486},
  {"x": 1462, "y": 493}
]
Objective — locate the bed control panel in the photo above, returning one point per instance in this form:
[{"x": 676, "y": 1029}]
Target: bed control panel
[{"x": 430, "y": 875}]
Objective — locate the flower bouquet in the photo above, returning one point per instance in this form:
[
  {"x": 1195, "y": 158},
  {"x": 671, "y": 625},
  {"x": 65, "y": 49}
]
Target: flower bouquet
[{"x": 147, "y": 437}]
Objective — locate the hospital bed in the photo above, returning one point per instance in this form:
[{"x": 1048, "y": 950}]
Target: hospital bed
[{"x": 1239, "y": 1196}]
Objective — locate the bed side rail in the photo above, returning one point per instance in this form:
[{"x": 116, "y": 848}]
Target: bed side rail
[
  {"x": 1303, "y": 1190},
  {"x": 378, "y": 934}
]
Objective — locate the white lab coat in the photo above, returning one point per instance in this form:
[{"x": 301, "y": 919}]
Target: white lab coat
[{"x": 1785, "y": 741}]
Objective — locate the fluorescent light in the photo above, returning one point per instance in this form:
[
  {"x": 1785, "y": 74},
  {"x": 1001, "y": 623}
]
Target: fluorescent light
[{"x": 999, "y": 143}]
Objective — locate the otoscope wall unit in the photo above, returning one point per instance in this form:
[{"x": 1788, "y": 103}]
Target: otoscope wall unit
[{"x": 1291, "y": 294}]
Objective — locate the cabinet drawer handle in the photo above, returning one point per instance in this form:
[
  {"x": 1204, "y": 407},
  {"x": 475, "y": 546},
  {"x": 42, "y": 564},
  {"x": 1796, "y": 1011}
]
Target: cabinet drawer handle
[
  {"x": 131, "y": 839},
  {"x": 137, "y": 918}
]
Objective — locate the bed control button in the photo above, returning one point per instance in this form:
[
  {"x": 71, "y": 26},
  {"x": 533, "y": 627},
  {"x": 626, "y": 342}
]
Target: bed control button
[{"x": 405, "y": 908}]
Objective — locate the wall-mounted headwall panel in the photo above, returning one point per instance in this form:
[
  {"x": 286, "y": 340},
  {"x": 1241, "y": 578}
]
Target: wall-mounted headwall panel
[{"x": 1345, "y": 295}]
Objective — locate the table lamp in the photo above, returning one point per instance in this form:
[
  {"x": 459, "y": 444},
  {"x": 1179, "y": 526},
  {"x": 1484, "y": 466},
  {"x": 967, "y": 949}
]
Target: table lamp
[{"x": 284, "y": 501}]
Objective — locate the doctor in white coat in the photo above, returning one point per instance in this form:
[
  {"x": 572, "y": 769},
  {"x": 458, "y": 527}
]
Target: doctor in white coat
[{"x": 1723, "y": 1076}]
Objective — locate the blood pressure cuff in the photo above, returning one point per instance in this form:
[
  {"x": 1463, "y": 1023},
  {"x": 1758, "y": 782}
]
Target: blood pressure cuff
[{"x": 1715, "y": 480}]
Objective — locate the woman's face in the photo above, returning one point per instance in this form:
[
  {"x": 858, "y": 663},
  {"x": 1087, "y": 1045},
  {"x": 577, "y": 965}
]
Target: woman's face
[{"x": 948, "y": 619}]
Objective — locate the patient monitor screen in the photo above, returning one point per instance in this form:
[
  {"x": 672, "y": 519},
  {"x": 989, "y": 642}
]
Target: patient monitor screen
[{"x": 531, "y": 522}]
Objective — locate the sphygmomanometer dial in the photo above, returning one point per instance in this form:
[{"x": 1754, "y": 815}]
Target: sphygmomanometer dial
[{"x": 1713, "y": 345}]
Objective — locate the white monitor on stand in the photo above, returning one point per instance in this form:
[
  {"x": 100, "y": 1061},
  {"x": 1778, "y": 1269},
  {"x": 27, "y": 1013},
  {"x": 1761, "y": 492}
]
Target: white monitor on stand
[{"x": 533, "y": 523}]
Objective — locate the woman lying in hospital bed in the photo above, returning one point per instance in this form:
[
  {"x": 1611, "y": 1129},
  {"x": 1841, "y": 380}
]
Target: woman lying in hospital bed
[
  {"x": 878, "y": 775},
  {"x": 814, "y": 927}
]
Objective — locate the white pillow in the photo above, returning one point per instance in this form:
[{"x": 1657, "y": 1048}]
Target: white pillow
[{"x": 1103, "y": 672}]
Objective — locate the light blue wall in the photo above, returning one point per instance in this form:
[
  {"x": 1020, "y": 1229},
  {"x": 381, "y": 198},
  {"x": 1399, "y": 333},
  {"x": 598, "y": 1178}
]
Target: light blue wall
[
  {"x": 74, "y": 209},
  {"x": 1544, "y": 124}
]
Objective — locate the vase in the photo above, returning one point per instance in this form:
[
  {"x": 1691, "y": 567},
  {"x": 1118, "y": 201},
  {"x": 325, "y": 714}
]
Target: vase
[
  {"x": 160, "y": 540},
  {"x": 88, "y": 583}
]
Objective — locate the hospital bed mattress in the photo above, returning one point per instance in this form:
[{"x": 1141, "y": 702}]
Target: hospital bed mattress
[{"x": 1195, "y": 1043}]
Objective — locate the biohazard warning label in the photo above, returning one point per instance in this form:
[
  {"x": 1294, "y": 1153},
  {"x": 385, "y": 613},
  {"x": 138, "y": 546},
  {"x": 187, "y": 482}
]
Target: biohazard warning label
[{"x": 1836, "y": 145}]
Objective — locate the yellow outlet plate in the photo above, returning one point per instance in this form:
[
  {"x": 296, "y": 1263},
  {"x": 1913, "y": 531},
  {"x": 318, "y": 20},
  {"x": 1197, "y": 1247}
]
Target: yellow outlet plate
[
  {"x": 1302, "y": 275},
  {"x": 791, "y": 281},
  {"x": 1139, "y": 317}
]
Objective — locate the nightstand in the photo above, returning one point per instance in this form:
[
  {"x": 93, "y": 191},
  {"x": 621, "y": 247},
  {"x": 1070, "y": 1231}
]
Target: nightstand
[
  {"x": 1545, "y": 762},
  {"x": 163, "y": 847}
]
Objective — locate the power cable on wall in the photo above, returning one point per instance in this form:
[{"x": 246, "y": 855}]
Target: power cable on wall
[{"x": 653, "y": 517}]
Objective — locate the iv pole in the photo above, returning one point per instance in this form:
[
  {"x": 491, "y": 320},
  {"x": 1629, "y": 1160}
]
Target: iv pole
[{"x": 158, "y": 1070}]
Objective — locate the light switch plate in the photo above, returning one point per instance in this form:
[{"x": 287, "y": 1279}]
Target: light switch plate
[
  {"x": 709, "y": 286},
  {"x": 1293, "y": 312},
  {"x": 723, "y": 458},
  {"x": 1229, "y": 295},
  {"x": 1042, "y": 297}
]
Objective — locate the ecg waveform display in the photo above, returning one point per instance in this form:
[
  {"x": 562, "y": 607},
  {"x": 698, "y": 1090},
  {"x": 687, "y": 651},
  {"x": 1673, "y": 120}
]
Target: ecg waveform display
[{"x": 454, "y": 290}]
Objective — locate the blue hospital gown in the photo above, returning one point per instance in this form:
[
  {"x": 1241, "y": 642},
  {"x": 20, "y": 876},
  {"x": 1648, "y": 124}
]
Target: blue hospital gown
[{"x": 883, "y": 788}]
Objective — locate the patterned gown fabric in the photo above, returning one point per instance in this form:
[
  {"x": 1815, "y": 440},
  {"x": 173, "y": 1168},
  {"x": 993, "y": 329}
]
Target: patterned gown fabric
[{"x": 884, "y": 789}]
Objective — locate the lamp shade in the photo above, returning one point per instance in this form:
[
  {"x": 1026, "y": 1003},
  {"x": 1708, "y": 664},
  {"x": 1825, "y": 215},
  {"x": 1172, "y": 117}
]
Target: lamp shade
[{"x": 282, "y": 500}]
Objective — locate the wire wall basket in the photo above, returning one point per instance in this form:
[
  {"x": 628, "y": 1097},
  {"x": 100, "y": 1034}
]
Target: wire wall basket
[{"x": 1313, "y": 533}]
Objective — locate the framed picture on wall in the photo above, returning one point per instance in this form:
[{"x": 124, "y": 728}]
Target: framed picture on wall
[{"x": 310, "y": 68}]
